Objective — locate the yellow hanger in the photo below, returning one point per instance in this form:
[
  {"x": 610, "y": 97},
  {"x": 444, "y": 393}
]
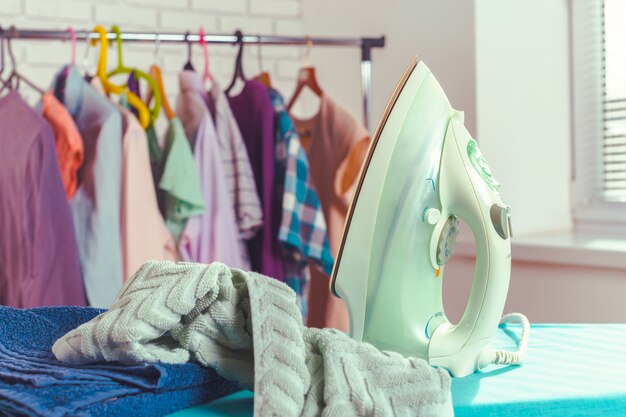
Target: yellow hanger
[
  {"x": 121, "y": 69},
  {"x": 133, "y": 100}
]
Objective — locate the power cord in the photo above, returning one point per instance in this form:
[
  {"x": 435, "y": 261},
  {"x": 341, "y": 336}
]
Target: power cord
[{"x": 505, "y": 357}]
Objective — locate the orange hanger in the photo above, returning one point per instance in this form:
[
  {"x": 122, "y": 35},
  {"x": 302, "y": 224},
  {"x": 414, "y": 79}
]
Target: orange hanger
[
  {"x": 306, "y": 78},
  {"x": 264, "y": 78},
  {"x": 156, "y": 74}
]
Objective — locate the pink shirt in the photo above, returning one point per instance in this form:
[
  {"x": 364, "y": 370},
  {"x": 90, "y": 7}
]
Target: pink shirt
[
  {"x": 336, "y": 145},
  {"x": 144, "y": 233}
]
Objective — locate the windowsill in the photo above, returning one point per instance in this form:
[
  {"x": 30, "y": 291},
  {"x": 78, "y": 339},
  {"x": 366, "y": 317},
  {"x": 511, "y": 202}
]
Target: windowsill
[{"x": 565, "y": 248}]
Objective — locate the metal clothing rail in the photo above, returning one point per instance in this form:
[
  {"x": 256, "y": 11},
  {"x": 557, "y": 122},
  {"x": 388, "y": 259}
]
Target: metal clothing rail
[{"x": 366, "y": 45}]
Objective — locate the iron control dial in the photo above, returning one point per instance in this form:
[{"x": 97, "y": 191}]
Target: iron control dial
[{"x": 447, "y": 240}]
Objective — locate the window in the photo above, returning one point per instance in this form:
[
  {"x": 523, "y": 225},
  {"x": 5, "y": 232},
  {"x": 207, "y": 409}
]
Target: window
[
  {"x": 598, "y": 56},
  {"x": 614, "y": 129}
]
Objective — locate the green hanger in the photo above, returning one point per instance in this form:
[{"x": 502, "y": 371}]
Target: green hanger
[{"x": 121, "y": 69}]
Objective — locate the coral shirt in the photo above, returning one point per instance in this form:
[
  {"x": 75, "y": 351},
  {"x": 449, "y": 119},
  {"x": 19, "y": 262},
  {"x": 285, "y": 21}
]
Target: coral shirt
[{"x": 69, "y": 144}]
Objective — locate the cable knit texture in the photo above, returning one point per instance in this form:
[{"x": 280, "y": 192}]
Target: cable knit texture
[{"x": 249, "y": 328}]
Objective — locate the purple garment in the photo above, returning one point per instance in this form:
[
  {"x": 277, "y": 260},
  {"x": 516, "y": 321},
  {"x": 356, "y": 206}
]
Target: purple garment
[
  {"x": 254, "y": 112},
  {"x": 39, "y": 263},
  {"x": 133, "y": 84},
  {"x": 133, "y": 87},
  {"x": 213, "y": 235}
]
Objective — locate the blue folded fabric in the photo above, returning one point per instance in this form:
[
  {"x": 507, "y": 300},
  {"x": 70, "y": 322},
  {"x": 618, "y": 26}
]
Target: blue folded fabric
[{"x": 34, "y": 383}]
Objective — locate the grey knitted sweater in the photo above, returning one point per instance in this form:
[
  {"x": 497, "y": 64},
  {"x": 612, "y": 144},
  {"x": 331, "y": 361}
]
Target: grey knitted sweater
[{"x": 249, "y": 328}]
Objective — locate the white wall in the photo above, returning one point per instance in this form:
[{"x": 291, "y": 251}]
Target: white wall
[
  {"x": 547, "y": 293},
  {"x": 40, "y": 60},
  {"x": 440, "y": 32},
  {"x": 523, "y": 107}
]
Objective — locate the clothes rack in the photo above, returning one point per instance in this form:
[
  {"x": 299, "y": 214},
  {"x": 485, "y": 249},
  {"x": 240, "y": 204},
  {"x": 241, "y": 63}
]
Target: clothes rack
[{"x": 366, "y": 45}]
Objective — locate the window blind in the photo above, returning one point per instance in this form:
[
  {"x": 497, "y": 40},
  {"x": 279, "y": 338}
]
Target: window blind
[
  {"x": 614, "y": 101},
  {"x": 587, "y": 37}
]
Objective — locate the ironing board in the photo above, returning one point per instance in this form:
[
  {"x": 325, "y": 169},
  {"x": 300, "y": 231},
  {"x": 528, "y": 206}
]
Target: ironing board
[{"x": 570, "y": 370}]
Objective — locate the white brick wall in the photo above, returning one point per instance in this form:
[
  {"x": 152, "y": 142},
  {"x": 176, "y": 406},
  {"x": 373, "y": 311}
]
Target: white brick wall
[
  {"x": 124, "y": 15},
  {"x": 40, "y": 59},
  {"x": 275, "y": 7},
  {"x": 71, "y": 10},
  {"x": 221, "y": 6},
  {"x": 10, "y": 7}
]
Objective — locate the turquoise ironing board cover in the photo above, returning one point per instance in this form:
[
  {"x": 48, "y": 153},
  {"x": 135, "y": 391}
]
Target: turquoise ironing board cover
[{"x": 570, "y": 370}]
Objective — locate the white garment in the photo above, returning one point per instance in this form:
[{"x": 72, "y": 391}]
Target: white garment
[
  {"x": 191, "y": 108},
  {"x": 211, "y": 236}
]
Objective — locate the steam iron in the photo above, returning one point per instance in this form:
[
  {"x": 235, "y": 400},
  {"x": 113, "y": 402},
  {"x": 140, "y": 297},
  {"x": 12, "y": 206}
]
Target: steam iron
[{"x": 423, "y": 172}]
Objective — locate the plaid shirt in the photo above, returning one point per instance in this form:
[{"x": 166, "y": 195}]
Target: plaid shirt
[{"x": 302, "y": 228}]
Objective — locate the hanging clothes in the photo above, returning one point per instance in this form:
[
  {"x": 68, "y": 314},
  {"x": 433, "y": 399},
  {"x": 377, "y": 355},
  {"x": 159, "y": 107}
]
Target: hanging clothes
[
  {"x": 69, "y": 144},
  {"x": 192, "y": 107},
  {"x": 303, "y": 227},
  {"x": 96, "y": 204},
  {"x": 240, "y": 179},
  {"x": 179, "y": 181},
  {"x": 39, "y": 262},
  {"x": 176, "y": 179},
  {"x": 144, "y": 233},
  {"x": 213, "y": 235},
  {"x": 254, "y": 113},
  {"x": 336, "y": 145}
]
